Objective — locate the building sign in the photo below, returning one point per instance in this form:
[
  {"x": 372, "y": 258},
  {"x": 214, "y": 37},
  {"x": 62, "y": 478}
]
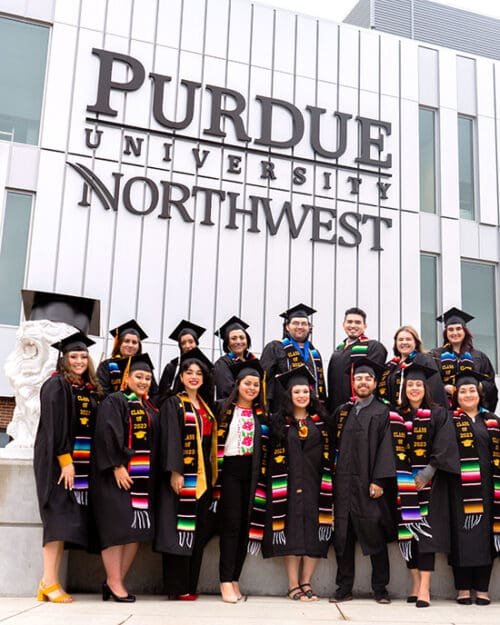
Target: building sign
[{"x": 168, "y": 199}]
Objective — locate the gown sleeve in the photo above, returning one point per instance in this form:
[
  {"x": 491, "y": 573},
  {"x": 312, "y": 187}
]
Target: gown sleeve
[{"x": 111, "y": 434}]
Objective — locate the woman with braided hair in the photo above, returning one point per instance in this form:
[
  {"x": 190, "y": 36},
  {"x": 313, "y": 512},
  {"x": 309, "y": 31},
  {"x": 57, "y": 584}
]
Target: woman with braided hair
[
  {"x": 299, "y": 520},
  {"x": 475, "y": 493}
]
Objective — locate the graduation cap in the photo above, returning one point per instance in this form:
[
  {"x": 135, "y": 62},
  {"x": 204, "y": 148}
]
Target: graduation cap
[
  {"x": 416, "y": 371},
  {"x": 140, "y": 362},
  {"x": 362, "y": 364},
  {"x": 241, "y": 368},
  {"x": 469, "y": 377},
  {"x": 76, "y": 342},
  {"x": 455, "y": 315},
  {"x": 294, "y": 377},
  {"x": 198, "y": 355},
  {"x": 234, "y": 323},
  {"x": 187, "y": 327},
  {"x": 81, "y": 312},
  {"x": 300, "y": 310},
  {"x": 129, "y": 327}
]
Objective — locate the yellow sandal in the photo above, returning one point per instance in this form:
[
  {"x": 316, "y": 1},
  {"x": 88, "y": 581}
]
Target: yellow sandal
[{"x": 44, "y": 592}]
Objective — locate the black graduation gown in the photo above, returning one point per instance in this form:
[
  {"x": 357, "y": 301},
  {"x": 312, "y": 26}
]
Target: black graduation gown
[
  {"x": 389, "y": 386},
  {"x": 480, "y": 363},
  {"x": 167, "y": 379},
  {"x": 104, "y": 377},
  {"x": 62, "y": 517},
  {"x": 365, "y": 455},
  {"x": 339, "y": 382},
  {"x": 223, "y": 377},
  {"x": 274, "y": 360},
  {"x": 474, "y": 547},
  {"x": 443, "y": 457},
  {"x": 304, "y": 464},
  {"x": 114, "y": 514},
  {"x": 171, "y": 459}
]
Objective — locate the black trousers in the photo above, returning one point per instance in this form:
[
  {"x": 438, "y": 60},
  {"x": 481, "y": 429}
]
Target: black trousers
[
  {"x": 345, "y": 566},
  {"x": 181, "y": 573},
  {"x": 235, "y": 501},
  {"x": 420, "y": 561},
  {"x": 472, "y": 577}
]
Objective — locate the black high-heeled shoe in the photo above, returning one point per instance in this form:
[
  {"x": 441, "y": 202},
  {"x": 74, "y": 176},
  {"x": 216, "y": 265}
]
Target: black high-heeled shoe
[{"x": 107, "y": 593}]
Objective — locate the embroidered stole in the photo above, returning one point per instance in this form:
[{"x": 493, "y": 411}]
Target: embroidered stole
[
  {"x": 194, "y": 471},
  {"x": 470, "y": 472},
  {"x": 358, "y": 348},
  {"x": 83, "y": 428},
  {"x": 297, "y": 357},
  {"x": 139, "y": 466},
  {"x": 384, "y": 392},
  {"x": 279, "y": 487},
  {"x": 115, "y": 374},
  {"x": 452, "y": 365},
  {"x": 410, "y": 440}
]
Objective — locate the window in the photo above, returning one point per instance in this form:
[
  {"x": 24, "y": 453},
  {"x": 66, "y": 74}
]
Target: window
[
  {"x": 23, "y": 50},
  {"x": 466, "y": 166},
  {"x": 428, "y": 300},
  {"x": 427, "y": 152},
  {"x": 479, "y": 299},
  {"x": 14, "y": 243}
]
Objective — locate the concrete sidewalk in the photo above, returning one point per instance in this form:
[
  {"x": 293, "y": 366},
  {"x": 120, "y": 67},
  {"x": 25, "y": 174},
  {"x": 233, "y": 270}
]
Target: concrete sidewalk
[{"x": 208, "y": 610}]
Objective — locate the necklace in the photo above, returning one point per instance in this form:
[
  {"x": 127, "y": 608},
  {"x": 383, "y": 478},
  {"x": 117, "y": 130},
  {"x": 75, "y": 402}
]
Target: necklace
[{"x": 302, "y": 427}]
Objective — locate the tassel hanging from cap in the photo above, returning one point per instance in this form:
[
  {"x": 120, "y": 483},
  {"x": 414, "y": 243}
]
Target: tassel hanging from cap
[{"x": 124, "y": 383}]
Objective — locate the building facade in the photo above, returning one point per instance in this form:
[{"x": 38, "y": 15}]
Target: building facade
[{"x": 203, "y": 158}]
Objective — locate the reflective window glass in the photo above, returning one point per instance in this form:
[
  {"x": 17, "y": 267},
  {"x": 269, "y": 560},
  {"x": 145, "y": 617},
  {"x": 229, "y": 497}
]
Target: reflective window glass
[
  {"x": 428, "y": 300},
  {"x": 466, "y": 166},
  {"x": 427, "y": 155}
]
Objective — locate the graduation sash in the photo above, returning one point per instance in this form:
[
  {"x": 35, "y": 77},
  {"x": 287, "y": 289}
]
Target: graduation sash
[
  {"x": 83, "y": 428},
  {"x": 115, "y": 374},
  {"x": 297, "y": 357}
]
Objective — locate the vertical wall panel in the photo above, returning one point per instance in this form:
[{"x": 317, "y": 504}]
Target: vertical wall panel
[
  {"x": 466, "y": 86},
  {"x": 193, "y": 25},
  {"x": 369, "y": 61},
  {"x": 428, "y": 77},
  {"x": 389, "y": 66},
  {"x": 487, "y": 170},
  {"x": 409, "y": 295},
  {"x": 450, "y": 263},
  {"x": 485, "y": 87},
  {"x": 409, "y": 69},
  {"x": 169, "y": 22},
  {"x": 119, "y": 17},
  {"x": 144, "y": 20},
  {"x": 348, "y": 56},
  {"x": 328, "y": 51},
  {"x": 306, "y": 46},
  {"x": 448, "y": 164},
  {"x": 409, "y": 181},
  {"x": 240, "y": 30},
  {"x": 93, "y": 13},
  {"x": 216, "y": 29},
  {"x": 262, "y": 40},
  {"x": 447, "y": 79},
  {"x": 284, "y": 42}
]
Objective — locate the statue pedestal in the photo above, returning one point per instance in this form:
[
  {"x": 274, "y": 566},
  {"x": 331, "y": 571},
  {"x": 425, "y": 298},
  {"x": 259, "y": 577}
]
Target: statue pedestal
[{"x": 21, "y": 543}]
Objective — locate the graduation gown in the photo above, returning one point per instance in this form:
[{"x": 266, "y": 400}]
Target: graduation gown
[
  {"x": 480, "y": 363},
  {"x": 62, "y": 517},
  {"x": 304, "y": 463},
  {"x": 339, "y": 382},
  {"x": 223, "y": 376},
  {"x": 112, "y": 385},
  {"x": 443, "y": 457},
  {"x": 167, "y": 379},
  {"x": 474, "y": 547},
  {"x": 274, "y": 360},
  {"x": 171, "y": 459},
  {"x": 114, "y": 514},
  {"x": 390, "y": 383},
  {"x": 365, "y": 455}
]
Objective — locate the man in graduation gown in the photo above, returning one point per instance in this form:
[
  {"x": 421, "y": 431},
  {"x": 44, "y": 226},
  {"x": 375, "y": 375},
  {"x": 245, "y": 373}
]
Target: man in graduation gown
[
  {"x": 293, "y": 351},
  {"x": 356, "y": 342},
  {"x": 363, "y": 476}
]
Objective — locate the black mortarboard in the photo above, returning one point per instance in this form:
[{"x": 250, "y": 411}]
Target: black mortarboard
[
  {"x": 187, "y": 327},
  {"x": 140, "y": 362},
  {"x": 241, "y": 368},
  {"x": 362, "y": 364},
  {"x": 234, "y": 323},
  {"x": 300, "y": 310},
  {"x": 416, "y": 371},
  {"x": 81, "y": 312},
  {"x": 196, "y": 354},
  {"x": 469, "y": 377},
  {"x": 297, "y": 376},
  {"x": 455, "y": 315},
  {"x": 77, "y": 342},
  {"x": 130, "y": 327}
]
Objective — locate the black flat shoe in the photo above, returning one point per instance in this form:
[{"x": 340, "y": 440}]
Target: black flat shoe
[
  {"x": 420, "y": 603},
  {"x": 411, "y": 599},
  {"x": 464, "y": 600},
  {"x": 482, "y": 601},
  {"x": 107, "y": 593}
]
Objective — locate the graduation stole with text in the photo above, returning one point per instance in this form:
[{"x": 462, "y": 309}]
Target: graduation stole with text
[
  {"x": 357, "y": 349},
  {"x": 410, "y": 441},
  {"x": 194, "y": 471},
  {"x": 393, "y": 365},
  {"x": 115, "y": 374},
  {"x": 452, "y": 365},
  {"x": 470, "y": 472},
  {"x": 279, "y": 486},
  {"x": 83, "y": 427},
  {"x": 258, "y": 511},
  {"x": 297, "y": 357},
  {"x": 139, "y": 466}
]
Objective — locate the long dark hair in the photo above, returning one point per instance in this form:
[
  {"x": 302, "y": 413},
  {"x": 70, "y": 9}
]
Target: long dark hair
[
  {"x": 258, "y": 402},
  {"x": 89, "y": 376},
  {"x": 206, "y": 390},
  {"x": 427, "y": 401},
  {"x": 285, "y": 412},
  {"x": 467, "y": 343}
]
